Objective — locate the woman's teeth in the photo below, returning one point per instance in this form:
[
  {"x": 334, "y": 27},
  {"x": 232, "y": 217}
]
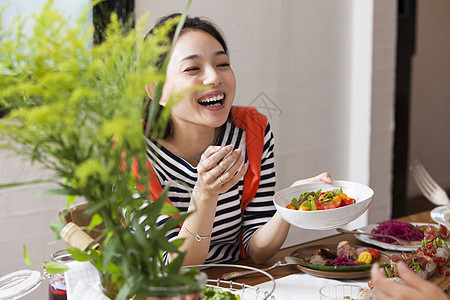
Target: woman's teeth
[{"x": 213, "y": 101}]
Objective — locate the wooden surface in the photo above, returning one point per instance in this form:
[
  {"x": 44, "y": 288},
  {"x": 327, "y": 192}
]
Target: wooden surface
[{"x": 441, "y": 280}]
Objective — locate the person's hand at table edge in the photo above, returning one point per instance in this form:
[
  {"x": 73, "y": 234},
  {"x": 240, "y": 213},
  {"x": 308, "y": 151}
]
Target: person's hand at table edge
[{"x": 416, "y": 287}]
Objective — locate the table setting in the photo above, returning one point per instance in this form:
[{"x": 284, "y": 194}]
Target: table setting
[
  {"x": 289, "y": 273},
  {"x": 292, "y": 279},
  {"x": 292, "y": 272},
  {"x": 290, "y": 282}
]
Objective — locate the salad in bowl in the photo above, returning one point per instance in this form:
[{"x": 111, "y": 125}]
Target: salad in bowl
[{"x": 314, "y": 205}]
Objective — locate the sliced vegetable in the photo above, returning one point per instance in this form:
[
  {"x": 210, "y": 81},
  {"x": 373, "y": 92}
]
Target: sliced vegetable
[
  {"x": 375, "y": 254},
  {"x": 342, "y": 268},
  {"x": 304, "y": 208},
  {"x": 291, "y": 206},
  {"x": 365, "y": 258}
]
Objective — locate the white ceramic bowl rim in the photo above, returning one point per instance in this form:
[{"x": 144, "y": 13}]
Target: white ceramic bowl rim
[
  {"x": 324, "y": 219},
  {"x": 325, "y": 187}
]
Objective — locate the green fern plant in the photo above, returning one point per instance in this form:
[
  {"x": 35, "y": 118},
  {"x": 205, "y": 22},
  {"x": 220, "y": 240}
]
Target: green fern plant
[{"x": 78, "y": 111}]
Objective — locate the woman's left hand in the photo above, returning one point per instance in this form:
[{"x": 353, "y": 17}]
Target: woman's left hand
[{"x": 323, "y": 177}]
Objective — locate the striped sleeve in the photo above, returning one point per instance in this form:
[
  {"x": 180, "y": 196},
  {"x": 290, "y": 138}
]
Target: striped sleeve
[{"x": 261, "y": 208}]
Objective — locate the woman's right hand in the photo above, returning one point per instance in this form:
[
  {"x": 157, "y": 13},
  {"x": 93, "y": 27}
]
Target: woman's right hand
[{"x": 220, "y": 168}]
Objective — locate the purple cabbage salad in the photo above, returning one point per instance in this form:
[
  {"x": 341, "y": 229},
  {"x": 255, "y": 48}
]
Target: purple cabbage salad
[
  {"x": 401, "y": 230},
  {"x": 342, "y": 260}
]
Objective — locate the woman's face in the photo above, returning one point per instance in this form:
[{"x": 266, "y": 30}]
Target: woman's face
[{"x": 198, "y": 59}]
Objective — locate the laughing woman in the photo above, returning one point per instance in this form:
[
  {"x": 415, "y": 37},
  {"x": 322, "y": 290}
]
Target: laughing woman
[{"x": 223, "y": 154}]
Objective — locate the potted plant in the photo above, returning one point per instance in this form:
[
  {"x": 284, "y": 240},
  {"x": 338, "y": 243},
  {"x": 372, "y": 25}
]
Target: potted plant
[{"x": 78, "y": 110}]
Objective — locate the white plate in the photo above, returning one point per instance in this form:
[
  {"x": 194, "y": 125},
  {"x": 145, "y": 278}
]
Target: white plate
[
  {"x": 324, "y": 219},
  {"x": 441, "y": 215},
  {"x": 367, "y": 239}
]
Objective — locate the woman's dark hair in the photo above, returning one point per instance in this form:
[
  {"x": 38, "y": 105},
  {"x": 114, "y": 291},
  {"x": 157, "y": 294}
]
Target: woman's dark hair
[{"x": 195, "y": 23}]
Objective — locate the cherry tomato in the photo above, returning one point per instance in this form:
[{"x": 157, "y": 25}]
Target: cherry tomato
[
  {"x": 337, "y": 201},
  {"x": 303, "y": 208},
  {"x": 291, "y": 206},
  {"x": 348, "y": 201},
  {"x": 329, "y": 206},
  {"x": 318, "y": 203},
  {"x": 373, "y": 252}
]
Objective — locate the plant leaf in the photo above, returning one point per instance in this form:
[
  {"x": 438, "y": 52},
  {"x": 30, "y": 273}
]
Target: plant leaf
[
  {"x": 78, "y": 255},
  {"x": 56, "y": 228},
  {"x": 169, "y": 209},
  {"x": 70, "y": 200},
  {"x": 25, "y": 256},
  {"x": 53, "y": 267},
  {"x": 95, "y": 221},
  {"x": 14, "y": 184}
]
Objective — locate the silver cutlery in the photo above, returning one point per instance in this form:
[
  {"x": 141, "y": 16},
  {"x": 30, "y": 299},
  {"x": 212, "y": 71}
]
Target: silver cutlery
[
  {"x": 398, "y": 240},
  {"x": 285, "y": 261},
  {"x": 430, "y": 189}
]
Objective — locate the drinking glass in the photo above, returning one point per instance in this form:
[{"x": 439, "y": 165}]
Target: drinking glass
[{"x": 344, "y": 292}]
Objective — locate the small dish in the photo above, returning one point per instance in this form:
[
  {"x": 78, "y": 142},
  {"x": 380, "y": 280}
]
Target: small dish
[
  {"x": 324, "y": 219},
  {"x": 441, "y": 215}
]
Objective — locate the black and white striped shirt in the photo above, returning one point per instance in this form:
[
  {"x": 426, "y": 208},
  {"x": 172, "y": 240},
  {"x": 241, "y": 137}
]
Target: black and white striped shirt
[{"x": 224, "y": 246}]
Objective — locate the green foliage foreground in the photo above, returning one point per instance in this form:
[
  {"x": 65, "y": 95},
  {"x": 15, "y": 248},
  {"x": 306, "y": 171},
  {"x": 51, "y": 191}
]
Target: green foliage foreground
[{"x": 77, "y": 109}]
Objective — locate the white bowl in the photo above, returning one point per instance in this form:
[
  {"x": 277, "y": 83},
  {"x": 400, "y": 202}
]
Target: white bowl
[{"x": 324, "y": 219}]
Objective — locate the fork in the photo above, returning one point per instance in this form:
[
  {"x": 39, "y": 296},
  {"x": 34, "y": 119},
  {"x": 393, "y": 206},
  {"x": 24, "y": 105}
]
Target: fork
[
  {"x": 285, "y": 261},
  {"x": 430, "y": 189}
]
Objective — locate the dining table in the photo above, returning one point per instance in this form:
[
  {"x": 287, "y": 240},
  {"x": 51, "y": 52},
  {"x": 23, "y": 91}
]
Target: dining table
[{"x": 283, "y": 272}]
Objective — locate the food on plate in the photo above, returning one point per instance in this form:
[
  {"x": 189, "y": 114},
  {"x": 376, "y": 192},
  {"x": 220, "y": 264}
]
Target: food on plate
[
  {"x": 401, "y": 230},
  {"x": 310, "y": 201},
  {"x": 431, "y": 258},
  {"x": 344, "y": 255},
  {"x": 213, "y": 293},
  {"x": 364, "y": 258}
]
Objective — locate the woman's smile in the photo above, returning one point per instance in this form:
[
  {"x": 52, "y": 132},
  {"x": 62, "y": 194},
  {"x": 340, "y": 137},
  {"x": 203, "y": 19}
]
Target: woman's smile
[
  {"x": 213, "y": 100},
  {"x": 199, "y": 60}
]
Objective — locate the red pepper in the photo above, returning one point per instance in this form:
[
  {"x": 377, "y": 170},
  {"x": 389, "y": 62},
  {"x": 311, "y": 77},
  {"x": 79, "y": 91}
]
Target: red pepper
[{"x": 373, "y": 252}]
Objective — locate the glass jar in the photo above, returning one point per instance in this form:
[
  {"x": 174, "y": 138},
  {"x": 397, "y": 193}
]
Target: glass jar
[
  {"x": 57, "y": 289},
  {"x": 17, "y": 284}
]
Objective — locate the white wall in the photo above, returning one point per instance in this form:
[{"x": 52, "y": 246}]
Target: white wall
[
  {"x": 430, "y": 93},
  {"x": 325, "y": 69},
  {"x": 382, "y": 117}
]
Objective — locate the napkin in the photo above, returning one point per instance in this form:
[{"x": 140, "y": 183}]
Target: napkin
[
  {"x": 83, "y": 282},
  {"x": 304, "y": 286}
]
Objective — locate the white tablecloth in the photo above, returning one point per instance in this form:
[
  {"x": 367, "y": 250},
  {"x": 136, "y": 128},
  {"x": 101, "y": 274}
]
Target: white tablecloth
[
  {"x": 83, "y": 282},
  {"x": 305, "y": 286}
]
